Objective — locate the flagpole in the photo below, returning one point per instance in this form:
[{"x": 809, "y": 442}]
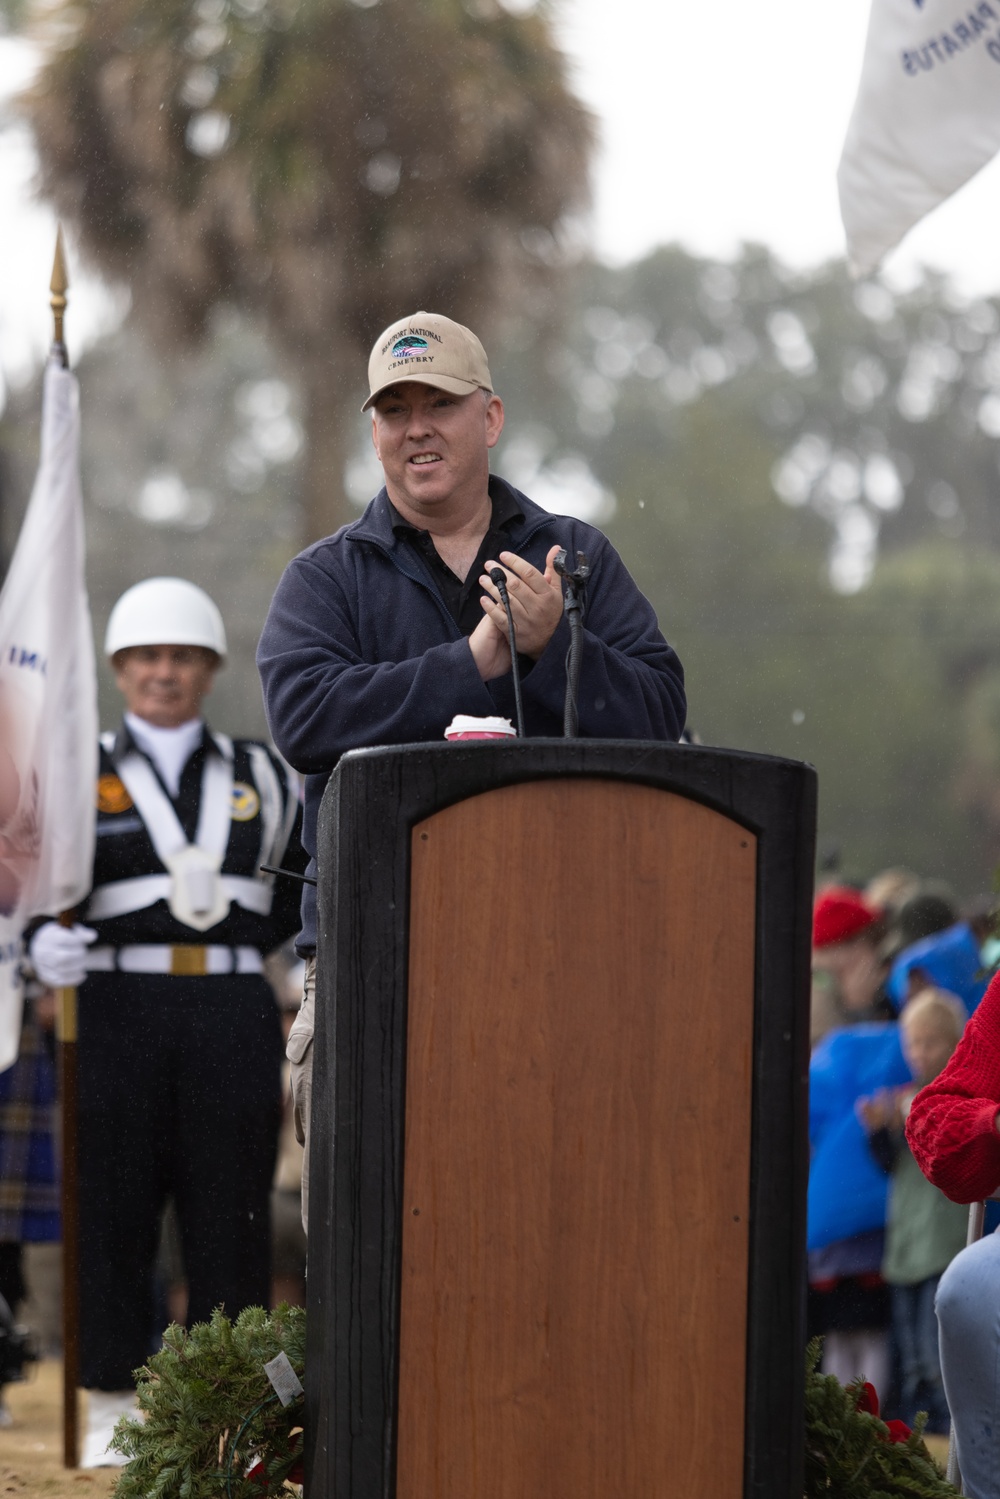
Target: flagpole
[
  {"x": 66, "y": 1024},
  {"x": 66, "y": 1032},
  {"x": 58, "y": 286}
]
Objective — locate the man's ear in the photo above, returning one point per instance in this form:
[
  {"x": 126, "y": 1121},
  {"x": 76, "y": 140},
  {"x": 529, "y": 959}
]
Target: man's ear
[
  {"x": 494, "y": 421},
  {"x": 375, "y": 439}
]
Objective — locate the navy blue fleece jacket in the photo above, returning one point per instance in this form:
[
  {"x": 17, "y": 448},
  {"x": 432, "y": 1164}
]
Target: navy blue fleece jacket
[{"x": 360, "y": 649}]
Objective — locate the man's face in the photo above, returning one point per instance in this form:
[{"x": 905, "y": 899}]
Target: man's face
[
  {"x": 165, "y": 684},
  {"x": 433, "y": 447}
]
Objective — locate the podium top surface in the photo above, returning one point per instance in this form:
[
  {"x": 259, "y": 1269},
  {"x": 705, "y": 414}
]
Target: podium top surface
[{"x": 761, "y": 791}]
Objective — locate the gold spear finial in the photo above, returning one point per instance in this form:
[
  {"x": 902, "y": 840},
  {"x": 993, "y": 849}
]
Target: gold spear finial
[{"x": 58, "y": 287}]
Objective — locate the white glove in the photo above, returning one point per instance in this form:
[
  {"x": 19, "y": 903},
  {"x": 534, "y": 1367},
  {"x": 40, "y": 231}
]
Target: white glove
[{"x": 57, "y": 954}]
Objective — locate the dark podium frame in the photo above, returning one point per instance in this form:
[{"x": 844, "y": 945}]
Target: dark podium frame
[{"x": 374, "y": 799}]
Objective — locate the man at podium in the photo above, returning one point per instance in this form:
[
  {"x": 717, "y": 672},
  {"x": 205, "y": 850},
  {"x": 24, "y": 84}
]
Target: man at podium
[{"x": 384, "y": 631}]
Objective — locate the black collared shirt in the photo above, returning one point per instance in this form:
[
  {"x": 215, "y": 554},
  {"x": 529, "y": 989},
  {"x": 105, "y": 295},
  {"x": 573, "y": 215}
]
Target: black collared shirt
[{"x": 462, "y": 597}]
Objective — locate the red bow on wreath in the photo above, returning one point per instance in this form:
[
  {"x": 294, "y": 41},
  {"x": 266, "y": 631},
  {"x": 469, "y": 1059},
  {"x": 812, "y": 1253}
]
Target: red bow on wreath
[
  {"x": 866, "y": 1400},
  {"x": 258, "y": 1475}
]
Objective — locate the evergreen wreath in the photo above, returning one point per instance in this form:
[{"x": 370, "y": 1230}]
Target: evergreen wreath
[
  {"x": 851, "y": 1453},
  {"x": 213, "y": 1427}
]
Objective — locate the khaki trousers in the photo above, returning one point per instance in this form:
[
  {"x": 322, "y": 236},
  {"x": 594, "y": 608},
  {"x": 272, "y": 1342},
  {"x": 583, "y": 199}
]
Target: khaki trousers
[{"x": 299, "y": 1051}]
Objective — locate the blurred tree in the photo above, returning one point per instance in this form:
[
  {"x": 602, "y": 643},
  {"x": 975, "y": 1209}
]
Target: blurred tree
[
  {"x": 190, "y": 468},
  {"x": 804, "y": 480},
  {"x": 12, "y": 15},
  {"x": 331, "y": 164},
  {"x": 881, "y": 410},
  {"x": 823, "y": 607}
]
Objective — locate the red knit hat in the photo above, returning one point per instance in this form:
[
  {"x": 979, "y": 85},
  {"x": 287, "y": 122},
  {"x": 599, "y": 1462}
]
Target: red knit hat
[{"x": 840, "y": 913}]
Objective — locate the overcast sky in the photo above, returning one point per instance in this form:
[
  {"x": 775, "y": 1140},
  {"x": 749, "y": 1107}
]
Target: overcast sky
[
  {"x": 724, "y": 122},
  {"x": 718, "y": 123}
]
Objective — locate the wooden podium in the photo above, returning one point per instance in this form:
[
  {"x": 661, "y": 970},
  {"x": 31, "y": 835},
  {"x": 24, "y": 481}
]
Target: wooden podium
[{"x": 559, "y": 1145}]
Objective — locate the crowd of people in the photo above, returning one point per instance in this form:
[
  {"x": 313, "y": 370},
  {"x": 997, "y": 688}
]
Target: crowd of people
[
  {"x": 898, "y": 970},
  {"x": 381, "y": 634}
]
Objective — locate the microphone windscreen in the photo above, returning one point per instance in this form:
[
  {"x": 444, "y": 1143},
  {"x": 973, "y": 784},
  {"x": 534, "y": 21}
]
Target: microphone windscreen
[{"x": 498, "y": 577}]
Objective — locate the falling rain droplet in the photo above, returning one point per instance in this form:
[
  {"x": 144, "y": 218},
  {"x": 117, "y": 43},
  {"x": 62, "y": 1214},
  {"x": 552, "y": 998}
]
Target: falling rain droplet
[
  {"x": 798, "y": 716},
  {"x": 642, "y": 504}
]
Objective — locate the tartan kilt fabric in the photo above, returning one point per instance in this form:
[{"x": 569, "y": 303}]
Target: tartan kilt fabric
[{"x": 29, "y": 1192}]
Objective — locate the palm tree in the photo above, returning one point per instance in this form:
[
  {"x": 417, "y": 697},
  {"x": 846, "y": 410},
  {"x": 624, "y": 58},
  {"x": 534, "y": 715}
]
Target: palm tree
[{"x": 329, "y": 164}]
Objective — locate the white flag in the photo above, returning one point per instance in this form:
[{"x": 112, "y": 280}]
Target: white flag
[
  {"x": 48, "y": 703},
  {"x": 927, "y": 117}
]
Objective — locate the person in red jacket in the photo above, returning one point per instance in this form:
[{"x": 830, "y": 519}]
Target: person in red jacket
[{"x": 953, "y": 1129}]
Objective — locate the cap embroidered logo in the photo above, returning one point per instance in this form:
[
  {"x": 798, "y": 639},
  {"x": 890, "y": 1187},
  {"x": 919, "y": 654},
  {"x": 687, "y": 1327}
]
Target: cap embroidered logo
[{"x": 407, "y": 346}]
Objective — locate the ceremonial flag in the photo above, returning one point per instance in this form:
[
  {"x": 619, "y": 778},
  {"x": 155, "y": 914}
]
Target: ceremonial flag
[
  {"x": 927, "y": 117},
  {"x": 48, "y": 702}
]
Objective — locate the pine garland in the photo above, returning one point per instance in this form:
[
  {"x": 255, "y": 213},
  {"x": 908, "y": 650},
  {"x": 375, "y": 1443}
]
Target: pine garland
[
  {"x": 203, "y": 1393},
  {"x": 214, "y": 1429},
  {"x": 852, "y": 1454}
]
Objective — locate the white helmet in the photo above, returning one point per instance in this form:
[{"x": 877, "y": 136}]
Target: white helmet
[{"x": 165, "y": 611}]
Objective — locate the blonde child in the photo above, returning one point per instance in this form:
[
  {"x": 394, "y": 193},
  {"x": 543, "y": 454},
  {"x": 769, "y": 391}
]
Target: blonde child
[{"x": 924, "y": 1231}]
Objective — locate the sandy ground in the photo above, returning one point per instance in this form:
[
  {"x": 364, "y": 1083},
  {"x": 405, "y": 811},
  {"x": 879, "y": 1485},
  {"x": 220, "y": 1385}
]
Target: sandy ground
[
  {"x": 938, "y": 1447},
  {"x": 31, "y": 1449}
]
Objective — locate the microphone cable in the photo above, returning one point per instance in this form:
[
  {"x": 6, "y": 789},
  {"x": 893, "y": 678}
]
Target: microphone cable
[
  {"x": 499, "y": 580},
  {"x": 289, "y": 874}
]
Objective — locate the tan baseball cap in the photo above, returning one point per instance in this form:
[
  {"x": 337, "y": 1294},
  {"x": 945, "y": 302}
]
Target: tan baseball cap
[{"x": 432, "y": 350}]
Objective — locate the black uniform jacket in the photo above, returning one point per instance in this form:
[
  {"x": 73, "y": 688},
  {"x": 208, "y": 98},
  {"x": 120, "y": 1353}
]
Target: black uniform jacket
[{"x": 125, "y": 850}]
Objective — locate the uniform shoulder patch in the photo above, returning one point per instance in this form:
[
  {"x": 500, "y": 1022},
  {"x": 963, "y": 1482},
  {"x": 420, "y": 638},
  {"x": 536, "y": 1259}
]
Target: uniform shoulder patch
[
  {"x": 245, "y": 802},
  {"x": 112, "y": 795}
]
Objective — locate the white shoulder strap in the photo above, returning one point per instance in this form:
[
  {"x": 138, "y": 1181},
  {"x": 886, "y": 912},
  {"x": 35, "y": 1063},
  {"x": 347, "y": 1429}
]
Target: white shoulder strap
[
  {"x": 215, "y": 815},
  {"x": 292, "y": 791},
  {"x": 122, "y": 897},
  {"x": 157, "y": 812},
  {"x": 266, "y": 782},
  {"x": 282, "y": 801},
  {"x": 153, "y": 804}
]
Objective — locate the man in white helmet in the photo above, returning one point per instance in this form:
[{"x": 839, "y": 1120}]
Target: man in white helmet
[{"x": 179, "y": 1047}]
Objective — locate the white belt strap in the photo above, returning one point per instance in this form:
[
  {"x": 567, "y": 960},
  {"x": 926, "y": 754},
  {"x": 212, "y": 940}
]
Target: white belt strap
[
  {"x": 152, "y": 957},
  {"x": 252, "y": 895},
  {"x": 119, "y": 897}
]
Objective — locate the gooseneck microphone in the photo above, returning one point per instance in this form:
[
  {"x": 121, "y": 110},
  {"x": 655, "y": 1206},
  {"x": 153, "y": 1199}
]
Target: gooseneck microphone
[
  {"x": 573, "y": 605},
  {"x": 499, "y": 580}
]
